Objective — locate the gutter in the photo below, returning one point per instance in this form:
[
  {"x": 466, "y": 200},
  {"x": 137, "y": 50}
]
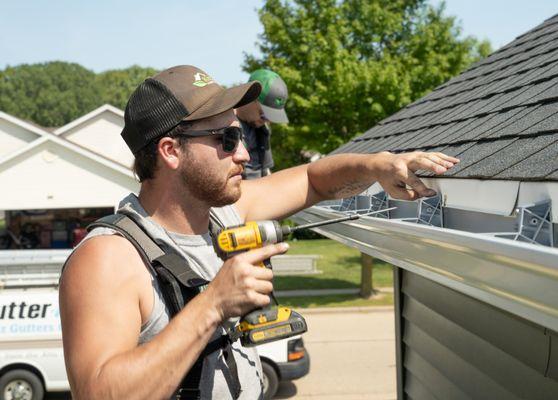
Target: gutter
[{"x": 517, "y": 277}]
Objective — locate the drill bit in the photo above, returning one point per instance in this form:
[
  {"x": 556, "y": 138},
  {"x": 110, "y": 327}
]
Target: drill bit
[{"x": 289, "y": 229}]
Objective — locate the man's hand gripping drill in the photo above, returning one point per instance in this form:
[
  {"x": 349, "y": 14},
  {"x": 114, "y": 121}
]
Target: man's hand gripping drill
[{"x": 270, "y": 322}]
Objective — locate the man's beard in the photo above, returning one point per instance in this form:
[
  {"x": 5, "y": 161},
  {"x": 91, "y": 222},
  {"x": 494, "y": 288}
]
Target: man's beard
[{"x": 205, "y": 184}]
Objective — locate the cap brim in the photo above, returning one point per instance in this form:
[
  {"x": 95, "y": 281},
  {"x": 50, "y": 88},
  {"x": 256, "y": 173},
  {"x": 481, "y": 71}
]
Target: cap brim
[
  {"x": 227, "y": 99},
  {"x": 277, "y": 115}
]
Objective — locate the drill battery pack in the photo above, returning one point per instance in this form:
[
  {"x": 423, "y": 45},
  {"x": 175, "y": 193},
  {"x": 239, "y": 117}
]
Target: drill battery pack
[{"x": 270, "y": 324}]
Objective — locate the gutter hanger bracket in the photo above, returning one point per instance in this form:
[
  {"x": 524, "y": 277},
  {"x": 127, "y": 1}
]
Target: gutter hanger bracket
[
  {"x": 430, "y": 211},
  {"x": 377, "y": 204},
  {"x": 533, "y": 224},
  {"x": 379, "y": 201},
  {"x": 348, "y": 204}
]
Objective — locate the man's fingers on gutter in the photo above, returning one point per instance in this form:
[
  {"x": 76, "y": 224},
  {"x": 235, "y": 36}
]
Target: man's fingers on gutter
[
  {"x": 418, "y": 186},
  {"x": 402, "y": 193}
]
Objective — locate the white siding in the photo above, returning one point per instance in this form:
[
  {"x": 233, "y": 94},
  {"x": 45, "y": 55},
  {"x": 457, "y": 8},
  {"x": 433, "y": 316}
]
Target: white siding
[
  {"x": 101, "y": 134},
  {"x": 13, "y": 137},
  {"x": 52, "y": 176}
]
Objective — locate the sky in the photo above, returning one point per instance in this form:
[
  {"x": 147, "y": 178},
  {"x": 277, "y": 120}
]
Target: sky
[{"x": 213, "y": 34}]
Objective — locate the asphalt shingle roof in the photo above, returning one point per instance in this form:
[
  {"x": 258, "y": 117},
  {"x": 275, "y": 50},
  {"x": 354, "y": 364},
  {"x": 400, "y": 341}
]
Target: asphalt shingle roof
[{"x": 500, "y": 117}]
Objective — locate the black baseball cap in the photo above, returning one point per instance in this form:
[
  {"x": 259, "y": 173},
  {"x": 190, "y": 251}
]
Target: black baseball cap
[{"x": 181, "y": 93}]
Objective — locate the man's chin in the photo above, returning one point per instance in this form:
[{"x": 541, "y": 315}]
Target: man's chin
[{"x": 230, "y": 197}]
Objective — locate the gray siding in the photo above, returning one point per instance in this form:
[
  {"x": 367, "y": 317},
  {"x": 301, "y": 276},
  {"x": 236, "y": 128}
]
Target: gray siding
[{"x": 451, "y": 346}]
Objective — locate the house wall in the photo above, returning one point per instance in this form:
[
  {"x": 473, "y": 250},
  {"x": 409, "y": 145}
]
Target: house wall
[
  {"x": 13, "y": 137},
  {"x": 101, "y": 134},
  {"x": 52, "y": 176},
  {"x": 451, "y": 346}
]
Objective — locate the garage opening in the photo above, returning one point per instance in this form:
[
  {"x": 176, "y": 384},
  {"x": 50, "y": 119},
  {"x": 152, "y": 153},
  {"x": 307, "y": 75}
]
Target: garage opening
[{"x": 46, "y": 229}]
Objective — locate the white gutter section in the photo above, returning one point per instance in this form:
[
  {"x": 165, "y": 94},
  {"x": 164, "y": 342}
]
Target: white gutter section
[
  {"x": 517, "y": 277},
  {"x": 489, "y": 196}
]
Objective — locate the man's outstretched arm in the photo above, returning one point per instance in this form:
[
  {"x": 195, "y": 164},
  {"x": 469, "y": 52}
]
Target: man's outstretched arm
[{"x": 286, "y": 192}]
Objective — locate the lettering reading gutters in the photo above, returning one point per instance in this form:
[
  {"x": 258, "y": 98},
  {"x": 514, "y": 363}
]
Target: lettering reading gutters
[{"x": 23, "y": 310}]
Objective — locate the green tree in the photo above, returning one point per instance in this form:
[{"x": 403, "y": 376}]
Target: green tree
[
  {"x": 350, "y": 63},
  {"x": 49, "y": 94},
  {"x": 116, "y": 86},
  {"x": 55, "y": 93}
]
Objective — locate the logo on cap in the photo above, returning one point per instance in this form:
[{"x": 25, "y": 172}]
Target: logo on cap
[
  {"x": 279, "y": 101},
  {"x": 201, "y": 79}
]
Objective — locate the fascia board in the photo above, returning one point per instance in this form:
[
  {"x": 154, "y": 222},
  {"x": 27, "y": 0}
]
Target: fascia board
[
  {"x": 87, "y": 153},
  {"x": 489, "y": 196},
  {"x": 517, "y": 277},
  {"x": 87, "y": 117},
  {"x": 24, "y": 149},
  {"x": 25, "y": 125},
  {"x": 69, "y": 145}
]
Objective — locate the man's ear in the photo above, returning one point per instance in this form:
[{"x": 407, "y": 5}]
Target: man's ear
[{"x": 169, "y": 149}]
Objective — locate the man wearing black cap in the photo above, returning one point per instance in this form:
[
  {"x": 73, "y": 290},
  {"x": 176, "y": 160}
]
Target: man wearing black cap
[
  {"x": 120, "y": 341},
  {"x": 253, "y": 117}
]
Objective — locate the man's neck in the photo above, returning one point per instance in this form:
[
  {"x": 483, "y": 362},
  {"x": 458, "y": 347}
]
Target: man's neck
[{"x": 176, "y": 212}]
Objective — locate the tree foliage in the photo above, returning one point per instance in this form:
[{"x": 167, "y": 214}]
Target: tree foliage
[
  {"x": 350, "y": 63},
  {"x": 117, "y": 85},
  {"x": 55, "y": 93},
  {"x": 49, "y": 94}
]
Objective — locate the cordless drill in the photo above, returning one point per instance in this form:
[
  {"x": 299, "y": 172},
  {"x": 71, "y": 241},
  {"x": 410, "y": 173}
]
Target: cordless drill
[{"x": 273, "y": 322}]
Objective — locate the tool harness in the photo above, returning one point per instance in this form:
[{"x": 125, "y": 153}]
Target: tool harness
[{"x": 179, "y": 284}]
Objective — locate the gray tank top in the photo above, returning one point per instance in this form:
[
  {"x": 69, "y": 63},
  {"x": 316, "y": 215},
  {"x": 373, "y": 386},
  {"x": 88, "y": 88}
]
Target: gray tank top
[{"x": 203, "y": 259}]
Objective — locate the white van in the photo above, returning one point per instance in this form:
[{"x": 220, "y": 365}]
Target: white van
[{"x": 31, "y": 356}]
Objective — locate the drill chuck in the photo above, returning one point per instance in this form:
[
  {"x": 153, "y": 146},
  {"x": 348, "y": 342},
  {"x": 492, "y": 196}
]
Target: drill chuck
[{"x": 271, "y": 232}]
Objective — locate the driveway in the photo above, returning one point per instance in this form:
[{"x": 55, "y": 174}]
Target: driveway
[{"x": 352, "y": 353}]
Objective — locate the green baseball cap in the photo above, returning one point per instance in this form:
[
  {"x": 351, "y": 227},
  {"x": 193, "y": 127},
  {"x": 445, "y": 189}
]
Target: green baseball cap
[{"x": 273, "y": 95}]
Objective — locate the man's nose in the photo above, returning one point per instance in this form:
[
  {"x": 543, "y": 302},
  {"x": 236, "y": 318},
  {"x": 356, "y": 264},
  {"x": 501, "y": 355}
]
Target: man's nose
[{"x": 241, "y": 154}]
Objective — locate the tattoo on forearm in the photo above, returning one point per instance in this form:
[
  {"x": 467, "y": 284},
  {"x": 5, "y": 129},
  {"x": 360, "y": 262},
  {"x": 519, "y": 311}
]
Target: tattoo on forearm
[{"x": 348, "y": 188}]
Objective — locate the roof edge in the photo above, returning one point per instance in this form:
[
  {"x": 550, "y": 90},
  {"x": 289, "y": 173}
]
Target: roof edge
[{"x": 84, "y": 118}]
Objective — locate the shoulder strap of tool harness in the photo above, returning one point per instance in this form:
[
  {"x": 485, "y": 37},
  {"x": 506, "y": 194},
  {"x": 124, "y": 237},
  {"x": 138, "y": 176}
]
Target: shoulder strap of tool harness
[{"x": 179, "y": 284}]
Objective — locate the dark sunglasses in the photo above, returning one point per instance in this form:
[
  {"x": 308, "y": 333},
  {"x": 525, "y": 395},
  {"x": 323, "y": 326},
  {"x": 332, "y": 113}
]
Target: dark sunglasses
[{"x": 230, "y": 136}]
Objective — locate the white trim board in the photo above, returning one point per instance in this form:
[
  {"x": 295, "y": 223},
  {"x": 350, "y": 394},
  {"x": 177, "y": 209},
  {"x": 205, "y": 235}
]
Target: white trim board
[
  {"x": 87, "y": 117},
  {"x": 25, "y": 125},
  {"x": 78, "y": 149}
]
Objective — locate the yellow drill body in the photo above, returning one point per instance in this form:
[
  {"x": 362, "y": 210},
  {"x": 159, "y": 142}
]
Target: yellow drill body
[
  {"x": 273, "y": 322},
  {"x": 241, "y": 238}
]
